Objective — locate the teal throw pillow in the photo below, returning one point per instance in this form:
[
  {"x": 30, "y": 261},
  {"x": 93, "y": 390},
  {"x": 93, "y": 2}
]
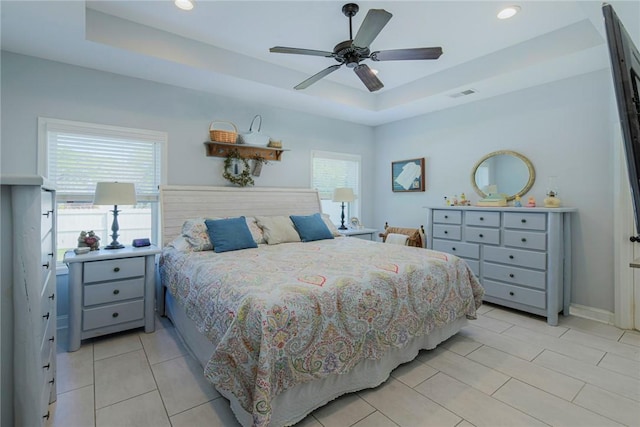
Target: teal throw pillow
[
  {"x": 311, "y": 227},
  {"x": 230, "y": 234}
]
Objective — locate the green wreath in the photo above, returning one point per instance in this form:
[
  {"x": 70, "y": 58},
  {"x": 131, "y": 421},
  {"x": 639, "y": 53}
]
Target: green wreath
[{"x": 242, "y": 179}]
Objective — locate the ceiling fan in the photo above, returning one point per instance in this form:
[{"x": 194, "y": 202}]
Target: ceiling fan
[{"x": 351, "y": 52}]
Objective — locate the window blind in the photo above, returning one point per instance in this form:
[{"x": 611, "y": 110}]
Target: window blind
[
  {"x": 79, "y": 157},
  {"x": 334, "y": 170}
]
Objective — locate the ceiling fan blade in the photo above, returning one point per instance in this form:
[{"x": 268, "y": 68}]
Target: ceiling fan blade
[
  {"x": 311, "y": 80},
  {"x": 368, "y": 77},
  {"x": 407, "y": 54},
  {"x": 297, "y": 51},
  {"x": 373, "y": 23}
]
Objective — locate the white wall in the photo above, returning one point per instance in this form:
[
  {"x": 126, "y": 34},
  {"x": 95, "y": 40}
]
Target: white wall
[
  {"x": 34, "y": 87},
  {"x": 564, "y": 128}
]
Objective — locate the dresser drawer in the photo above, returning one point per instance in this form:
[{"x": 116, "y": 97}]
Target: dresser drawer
[
  {"x": 447, "y": 232},
  {"x": 521, "y": 276},
  {"x": 46, "y": 208},
  {"x": 516, "y": 257},
  {"x": 113, "y": 269},
  {"x": 482, "y": 235},
  {"x": 515, "y": 294},
  {"x": 525, "y": 239},
  {"x": 485, "y": 219},
  {"x": 447, "y": 217},
  {"x": 113, "y": 314},
  {"x": 463, "y": 250},
  {"x": 113, "y": 291},
  {"x": 48, "y": 341},
  {"x": 525, "y": 221}
]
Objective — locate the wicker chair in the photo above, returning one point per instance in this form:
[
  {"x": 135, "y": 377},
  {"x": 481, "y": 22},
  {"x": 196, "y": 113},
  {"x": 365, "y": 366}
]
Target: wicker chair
[{"x": 416, "y": 235}]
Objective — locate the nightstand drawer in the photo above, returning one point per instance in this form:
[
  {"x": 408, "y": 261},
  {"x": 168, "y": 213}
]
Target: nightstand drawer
[
  {"x": 515, "y": 294},
  {"x": 464, "y": 250},
  {"x": 482, "y": 235},
  {"x": 447, "y": 217},
  {"x": 485, "y": 219},
  {"x": 112, "y": 314},
  {"x": 521, "y": 276},
  {"x": 113, "y": 291},
  {"x": 113, "y": 269},
  {"x": 527, "y": 221},
  {"x": 447, "y": 232}
]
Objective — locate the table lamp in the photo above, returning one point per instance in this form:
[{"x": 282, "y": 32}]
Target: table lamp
[
  {"x": 115, "y": 193},
  {"x": 343, "y": 195}
]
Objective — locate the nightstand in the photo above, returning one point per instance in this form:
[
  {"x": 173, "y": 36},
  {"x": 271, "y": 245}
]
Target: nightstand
[
  {"x": 110, "y": 290},
  {"x": 363, "y": 233}
]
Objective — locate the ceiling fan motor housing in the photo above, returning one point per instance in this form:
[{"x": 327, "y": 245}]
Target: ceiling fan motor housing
[{"x": 345, "y": 52}]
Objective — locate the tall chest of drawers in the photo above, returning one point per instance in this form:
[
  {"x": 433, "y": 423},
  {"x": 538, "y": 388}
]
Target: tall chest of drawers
[
  {"x": 28, "y": 300},
  {"x": 522, "y": 256}
]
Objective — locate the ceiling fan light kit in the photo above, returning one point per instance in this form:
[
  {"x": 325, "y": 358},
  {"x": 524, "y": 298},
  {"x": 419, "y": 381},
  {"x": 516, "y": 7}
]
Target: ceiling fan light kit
[{"x": 355, "y": 50}]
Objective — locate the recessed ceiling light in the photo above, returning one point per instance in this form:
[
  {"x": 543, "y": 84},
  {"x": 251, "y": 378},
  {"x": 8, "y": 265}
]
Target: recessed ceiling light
[
  {"x": 184, "y": 4},
  {"x": 508, "y": 12}
]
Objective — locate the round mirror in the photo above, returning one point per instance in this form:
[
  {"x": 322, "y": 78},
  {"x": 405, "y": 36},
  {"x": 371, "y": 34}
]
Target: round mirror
[{"x": 504, "y": 172}]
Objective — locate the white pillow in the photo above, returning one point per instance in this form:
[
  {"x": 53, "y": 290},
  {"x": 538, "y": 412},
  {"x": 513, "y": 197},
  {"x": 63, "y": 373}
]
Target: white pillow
[
  {"x": 330, "y": 225},
  {"x": 277, "y": 229}
]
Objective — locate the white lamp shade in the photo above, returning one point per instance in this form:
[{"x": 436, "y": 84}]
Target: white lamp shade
[
  {"x": 115, "y": 193},
  {"x": 343, "y": 195}
]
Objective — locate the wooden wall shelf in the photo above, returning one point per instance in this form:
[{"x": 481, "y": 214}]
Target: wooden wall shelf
[{"x": 222, "y": 149}]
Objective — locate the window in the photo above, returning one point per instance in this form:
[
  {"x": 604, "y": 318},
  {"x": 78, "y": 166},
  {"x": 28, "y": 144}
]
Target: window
[
  {"x": 75, "y": 156},
  {"x": 334, "y": 170}
]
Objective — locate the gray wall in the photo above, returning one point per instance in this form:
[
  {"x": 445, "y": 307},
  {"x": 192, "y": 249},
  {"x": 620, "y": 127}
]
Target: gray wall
[{"x": 564, "y": 128}]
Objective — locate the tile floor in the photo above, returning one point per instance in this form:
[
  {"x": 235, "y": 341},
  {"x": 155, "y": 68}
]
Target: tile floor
[{"x": 505, "y": 369}]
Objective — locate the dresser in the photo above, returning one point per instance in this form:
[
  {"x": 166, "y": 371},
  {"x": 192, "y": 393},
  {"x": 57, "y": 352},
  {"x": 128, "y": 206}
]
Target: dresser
[
  {"x": 28, "y": 300},
  {"x": 522, "y": 256},
  {"x": 110, "y": 290}
]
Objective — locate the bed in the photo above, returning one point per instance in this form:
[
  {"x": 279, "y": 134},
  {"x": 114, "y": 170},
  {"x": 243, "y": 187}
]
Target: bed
[{"x": 282, "y": 329}]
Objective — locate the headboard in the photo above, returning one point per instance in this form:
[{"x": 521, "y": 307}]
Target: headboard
[{"x": 179, "y": 203}]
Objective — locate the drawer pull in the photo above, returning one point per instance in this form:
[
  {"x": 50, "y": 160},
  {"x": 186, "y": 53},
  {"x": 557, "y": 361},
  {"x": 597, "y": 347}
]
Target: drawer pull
[
  {"x": 523, "y": 220},
  {"x": 511, "y": 275},
  {"x": 46, "y": 316},
  {"x": 481, "y": 218},
  {"x": 511, "y": 293},
  {"x": 116, "y": 269},
  {"x": 446, "y": 216},
  {"x": 116, "y": 291},
  {"x": 480, "y": 235},
  {"x": 446, "y": 232},
  {"x": 510, "y": 256},
  {"x": 523, "y": 239},
  {"x": 46, "y": 265},
  {"x": 52, "y": 296},
  {"x": 50, "y": 254},
  {"x": 47, "y": 213},
  {"x": 453, "y": 249},
  {"x": 53, "y": 380},
  {"x": 47, "y": 366},
  {"x": 114, "y": 315},
  {"x": 46, "y": 417},
  {"x": 53, "y": 338}
]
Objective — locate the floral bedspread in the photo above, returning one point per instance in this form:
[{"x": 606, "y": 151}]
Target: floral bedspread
[{"x": 286, "y": 314}]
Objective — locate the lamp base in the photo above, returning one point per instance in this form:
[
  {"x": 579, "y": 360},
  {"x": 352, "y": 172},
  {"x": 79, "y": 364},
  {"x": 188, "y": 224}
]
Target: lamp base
[
  {"x": 114, "y": 246},
  {"x": 342, "y": 227}
]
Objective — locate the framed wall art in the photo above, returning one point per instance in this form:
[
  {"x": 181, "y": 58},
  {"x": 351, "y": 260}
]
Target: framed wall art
[{"x": 407, "y": 175}]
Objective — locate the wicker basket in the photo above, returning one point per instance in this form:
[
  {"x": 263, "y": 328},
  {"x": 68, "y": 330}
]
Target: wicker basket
[{"x": 226, "y": 136}]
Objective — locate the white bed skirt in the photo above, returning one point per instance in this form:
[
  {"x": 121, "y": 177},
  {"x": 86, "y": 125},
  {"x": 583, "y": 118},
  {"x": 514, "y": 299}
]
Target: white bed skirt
[{"x": 296, "y": 403}]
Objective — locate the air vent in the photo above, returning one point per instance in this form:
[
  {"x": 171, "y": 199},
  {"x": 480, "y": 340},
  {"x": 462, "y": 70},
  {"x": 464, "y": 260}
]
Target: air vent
[{"x": 463, "y": 93}]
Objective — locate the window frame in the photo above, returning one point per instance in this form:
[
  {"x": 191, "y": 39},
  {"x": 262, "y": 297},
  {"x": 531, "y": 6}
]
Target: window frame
[
  {"x": 47, "y": 124},
  {"x": 352, "y": 209}
]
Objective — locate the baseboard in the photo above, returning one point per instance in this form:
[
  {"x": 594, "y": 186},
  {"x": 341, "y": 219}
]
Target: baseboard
[
  {"x": 62, "y": 322},
  {"x": 592, "y": 313}
]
